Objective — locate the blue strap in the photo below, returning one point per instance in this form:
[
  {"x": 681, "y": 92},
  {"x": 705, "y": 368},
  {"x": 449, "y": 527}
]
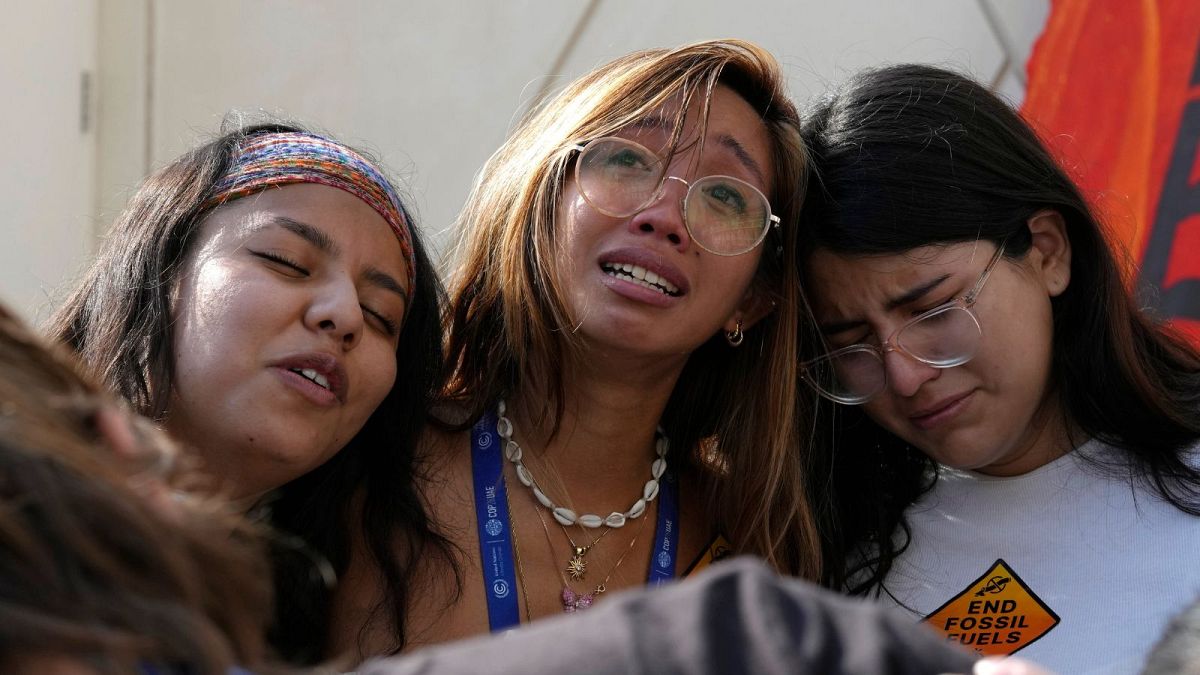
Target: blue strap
[
  {"x": 495, "y": 535},
  {"x": 491, "y": 517},
  {"x": 666, "y": 532}
]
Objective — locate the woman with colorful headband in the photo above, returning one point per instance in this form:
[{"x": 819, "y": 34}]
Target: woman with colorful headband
[
  {"x": 621, "y": 332},
  {"x": 265, "y": 299}
]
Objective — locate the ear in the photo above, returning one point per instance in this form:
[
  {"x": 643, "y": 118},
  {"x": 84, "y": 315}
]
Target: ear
[
  {"x": 754, "y": 307},
  {"x": 1051, "y": 250},
  {"x": 116, "y": 430}
]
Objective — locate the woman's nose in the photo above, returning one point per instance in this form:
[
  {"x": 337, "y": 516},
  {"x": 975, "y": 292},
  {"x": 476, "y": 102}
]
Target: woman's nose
[
  {"x": 335, "y": 310},
  {"x": 664, "y": 216},
  {"x": 905, "y": 374}
]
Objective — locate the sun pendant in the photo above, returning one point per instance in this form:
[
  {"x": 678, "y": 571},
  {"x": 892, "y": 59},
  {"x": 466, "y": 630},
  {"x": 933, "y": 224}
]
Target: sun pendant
[{"x": 577, "y": 567}]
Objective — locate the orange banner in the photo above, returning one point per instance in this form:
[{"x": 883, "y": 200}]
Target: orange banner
[{"x": 1114, "y": 89}]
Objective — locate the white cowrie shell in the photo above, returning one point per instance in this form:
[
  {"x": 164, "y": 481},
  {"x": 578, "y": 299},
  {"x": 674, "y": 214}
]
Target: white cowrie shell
[
  {"x": 650, "y": 491},
  {"x": 660, "y": 465},
  {"x": 504, "y": 427},
  {"x": 524, "y": 476},
  {"x": 591, "y": 520},
  {"x": 565, "y": 516}
]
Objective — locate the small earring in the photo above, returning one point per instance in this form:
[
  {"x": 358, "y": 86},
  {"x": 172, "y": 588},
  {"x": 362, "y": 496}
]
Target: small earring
[{"x": 735, "y": 337}]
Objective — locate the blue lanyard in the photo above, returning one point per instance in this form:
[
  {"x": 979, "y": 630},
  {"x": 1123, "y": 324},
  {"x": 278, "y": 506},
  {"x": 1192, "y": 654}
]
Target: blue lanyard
[
  {"x": 495, "y": 535},
  {"x": 491, "y": 517},
  {"x": 666, "y": 532}
]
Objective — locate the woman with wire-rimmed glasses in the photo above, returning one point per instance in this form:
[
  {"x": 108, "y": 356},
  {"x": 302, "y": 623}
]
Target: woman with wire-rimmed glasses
[
  {"x": 623, "y": 337},
  {"x": 1011, "y": 438}
]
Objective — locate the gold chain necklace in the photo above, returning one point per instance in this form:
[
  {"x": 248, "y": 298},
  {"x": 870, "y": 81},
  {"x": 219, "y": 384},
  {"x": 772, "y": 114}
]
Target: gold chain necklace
[
  {"x": 575, "y": 602},
  {"x": 565, "y": 516},
  {"x": 512, "y": 527},
  {"x": 577, "y": 565}
]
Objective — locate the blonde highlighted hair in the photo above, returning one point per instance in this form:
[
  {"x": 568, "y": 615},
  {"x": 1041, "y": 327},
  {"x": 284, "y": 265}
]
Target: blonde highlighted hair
[{"x": 510, "y": 327}]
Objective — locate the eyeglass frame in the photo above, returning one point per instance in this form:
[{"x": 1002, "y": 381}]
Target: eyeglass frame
[
  {"x": 965, "y": 302},
  {"x": 772, "y": 222}
]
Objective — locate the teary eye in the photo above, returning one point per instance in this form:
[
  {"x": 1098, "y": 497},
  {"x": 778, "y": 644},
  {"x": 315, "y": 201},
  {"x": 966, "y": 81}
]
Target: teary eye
[{"x": 726, "y": 196}]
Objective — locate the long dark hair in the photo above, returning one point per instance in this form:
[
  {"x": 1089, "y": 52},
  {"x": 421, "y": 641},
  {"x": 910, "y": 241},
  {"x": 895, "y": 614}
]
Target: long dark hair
[
  {"x": 119, "y": 321},
  {"x": 908, "y": 156}
]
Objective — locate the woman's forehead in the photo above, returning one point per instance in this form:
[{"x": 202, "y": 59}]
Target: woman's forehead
[
  {"x": 846, "y": 278},
  {"x": 733, "y": 130}
]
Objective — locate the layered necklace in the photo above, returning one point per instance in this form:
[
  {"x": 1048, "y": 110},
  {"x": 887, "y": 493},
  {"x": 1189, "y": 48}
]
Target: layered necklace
[
  {"x": 512, "y": 450},
  {"x": 576, "y": 565},
  {"x": 573, "y": 601}
]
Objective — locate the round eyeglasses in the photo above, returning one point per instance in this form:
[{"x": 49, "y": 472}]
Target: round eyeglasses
[
  {"x": 946, "y": 336},
  {"x": 723, "y": 215}
]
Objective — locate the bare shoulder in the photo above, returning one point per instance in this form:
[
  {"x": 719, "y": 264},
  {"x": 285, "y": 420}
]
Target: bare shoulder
[
  {"x": 356, "y": 628},
  {"x": 446, "y": 602},
  {"x": 359, "y": 626}
]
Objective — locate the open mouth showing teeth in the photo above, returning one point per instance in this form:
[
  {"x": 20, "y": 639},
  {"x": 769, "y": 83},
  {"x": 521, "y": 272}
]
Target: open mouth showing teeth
[
  {"x": 640, "y": 276},
  {"x": 312, "y": 375}
]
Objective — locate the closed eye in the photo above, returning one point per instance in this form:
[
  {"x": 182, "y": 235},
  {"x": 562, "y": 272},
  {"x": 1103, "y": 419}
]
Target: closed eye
[
  {"x": 388, "y": 326},
  {"x": 281, "y": 260},
  {"x": 929, "y": 308}
]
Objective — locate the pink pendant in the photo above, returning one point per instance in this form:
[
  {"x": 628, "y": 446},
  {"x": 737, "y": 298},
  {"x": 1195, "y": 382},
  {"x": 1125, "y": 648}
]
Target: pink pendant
[{"x": 575, "y": 603}]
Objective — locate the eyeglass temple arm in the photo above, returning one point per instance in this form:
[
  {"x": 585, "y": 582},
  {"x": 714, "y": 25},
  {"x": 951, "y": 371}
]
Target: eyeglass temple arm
[{"x": 969, "y": 298}]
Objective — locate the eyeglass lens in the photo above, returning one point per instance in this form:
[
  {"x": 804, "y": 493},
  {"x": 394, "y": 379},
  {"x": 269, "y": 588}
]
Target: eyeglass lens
[
  {"x": 723, "y": 214},
  {"x": 944, "y": 338}
]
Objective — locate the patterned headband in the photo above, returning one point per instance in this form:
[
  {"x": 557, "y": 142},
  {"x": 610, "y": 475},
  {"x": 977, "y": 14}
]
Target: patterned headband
[{"x": 272, "y": 159}]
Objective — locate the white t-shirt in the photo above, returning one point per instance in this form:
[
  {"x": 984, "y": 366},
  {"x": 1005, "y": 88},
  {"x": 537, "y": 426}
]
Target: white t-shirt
[{"x": 1076, "y": 570}]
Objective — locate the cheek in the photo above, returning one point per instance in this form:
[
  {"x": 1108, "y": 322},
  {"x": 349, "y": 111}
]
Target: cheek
[
  {"x": 377, "y": 375},
  {"x": 1018, "y": 346},
  {"x": 881, "y": 412},
  {"x": 736, "y": 276},
  {"x": 214, "y": 294}
]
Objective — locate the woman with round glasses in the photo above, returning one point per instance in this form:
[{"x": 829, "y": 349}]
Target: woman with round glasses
[
  {"x": 623, "y": 336},
  {"x": 1012, "y": 438}
]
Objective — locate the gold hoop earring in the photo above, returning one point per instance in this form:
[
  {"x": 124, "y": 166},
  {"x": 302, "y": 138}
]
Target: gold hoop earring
[{"x": 735, "y": 337}]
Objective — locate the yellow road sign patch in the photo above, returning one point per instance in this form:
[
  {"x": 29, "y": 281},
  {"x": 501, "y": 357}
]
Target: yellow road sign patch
[
  {"x": 718, "y": 549},
  {"x": 996, "y": 615}
]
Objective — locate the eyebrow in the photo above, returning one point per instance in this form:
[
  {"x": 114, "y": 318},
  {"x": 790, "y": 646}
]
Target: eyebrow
[
  {"x": 309, "y": 233},
  {"x": 657, "y": 122},
  {"x": 740, "y": 152},
  {"x": 916, "y": 292},
  {"x": 322, "y": 242},
  {"x": 911, "y": 295},
  {"x": 385, "y": 281},
  {"x": 653, "y": 122}
]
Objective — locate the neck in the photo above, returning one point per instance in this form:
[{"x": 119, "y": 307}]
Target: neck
[
  {"x": 1051, "y": 435},
  {"x": 600, "y": 455}
]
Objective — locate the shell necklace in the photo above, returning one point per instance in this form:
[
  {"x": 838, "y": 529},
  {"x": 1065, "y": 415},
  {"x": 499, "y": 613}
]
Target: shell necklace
[{"x": 577, "y": 566}]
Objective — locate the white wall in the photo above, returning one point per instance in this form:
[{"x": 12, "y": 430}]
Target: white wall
[
  {"x": 433, "y": 87},
  {"x": 47, "y": 174}
]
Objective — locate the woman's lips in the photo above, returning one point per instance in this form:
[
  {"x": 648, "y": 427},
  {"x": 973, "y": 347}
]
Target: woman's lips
[
  {"x": 643, "y": 275},
  {"x": 941, "y": 412},
  {"x": 319, "y": 377}
]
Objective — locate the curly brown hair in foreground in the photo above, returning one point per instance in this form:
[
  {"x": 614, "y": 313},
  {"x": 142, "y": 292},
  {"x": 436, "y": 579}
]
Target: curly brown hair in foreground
[{"x": 101, "y": 566}]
